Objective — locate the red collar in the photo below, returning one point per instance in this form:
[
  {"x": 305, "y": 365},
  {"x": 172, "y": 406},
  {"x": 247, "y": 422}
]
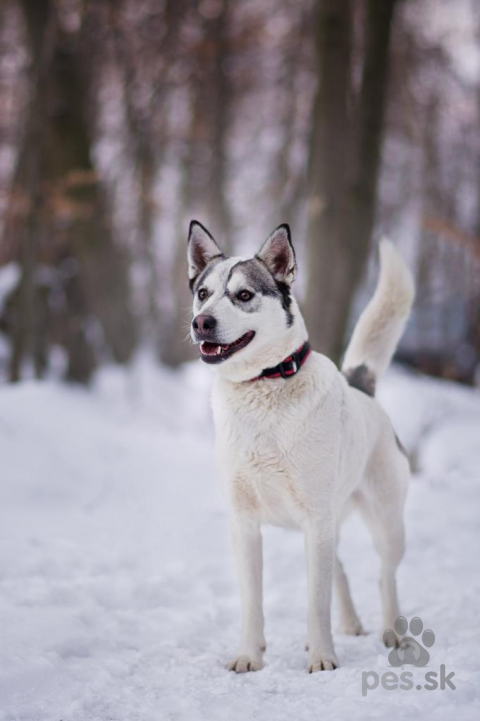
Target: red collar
[{"x": 290, "y": 366}]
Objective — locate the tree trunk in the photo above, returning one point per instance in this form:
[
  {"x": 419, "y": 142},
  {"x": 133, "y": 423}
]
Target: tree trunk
[
  {"x": 23, "y": 223},
  {"x": 66, "y": 225},
  {"x": 327, "y": 171},
  {"x": 344, "y": 166},
  {"x": 80, "y": 219}
]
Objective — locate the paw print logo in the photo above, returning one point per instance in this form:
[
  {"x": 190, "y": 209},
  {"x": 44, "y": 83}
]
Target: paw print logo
[{"x": 408, "y": 650}]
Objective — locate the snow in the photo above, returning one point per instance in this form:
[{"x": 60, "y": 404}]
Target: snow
[{"x": 117, "y": 593}]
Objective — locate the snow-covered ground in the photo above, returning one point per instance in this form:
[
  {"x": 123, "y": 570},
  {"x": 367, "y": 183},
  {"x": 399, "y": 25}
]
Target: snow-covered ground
[{"x": 117, "y": 593}]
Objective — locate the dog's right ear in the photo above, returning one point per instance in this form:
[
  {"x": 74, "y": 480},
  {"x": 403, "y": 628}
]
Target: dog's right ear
[{"x": 202, "y": 248}]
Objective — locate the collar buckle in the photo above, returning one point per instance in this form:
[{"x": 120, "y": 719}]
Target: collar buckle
[
  {"x": 290, "y": 366},
  {"x": 296, "y": 360}
]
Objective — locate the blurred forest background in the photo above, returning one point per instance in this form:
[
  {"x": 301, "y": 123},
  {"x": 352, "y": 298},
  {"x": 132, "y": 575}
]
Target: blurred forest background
[{"x": 120, "y": 120}]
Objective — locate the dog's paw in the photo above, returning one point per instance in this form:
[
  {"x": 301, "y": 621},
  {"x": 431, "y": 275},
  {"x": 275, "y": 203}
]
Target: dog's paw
[
  {"x": 322, "y": 662},
  {"x": 245, "y": 663},
  {"x": 352, "y": 627}
]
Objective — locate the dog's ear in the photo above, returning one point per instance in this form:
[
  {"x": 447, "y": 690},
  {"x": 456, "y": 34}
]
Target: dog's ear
[
  {"x": 201, "y": 250},
  {"x": 278, "y": 255}
]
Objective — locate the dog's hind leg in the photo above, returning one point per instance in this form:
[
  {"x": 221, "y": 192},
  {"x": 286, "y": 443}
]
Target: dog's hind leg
[
  {"x": 381, "y": 501},
  {"x": 349, "y": 622}
]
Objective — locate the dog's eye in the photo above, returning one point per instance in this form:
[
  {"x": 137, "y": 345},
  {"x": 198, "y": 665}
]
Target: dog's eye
[
  {"x": 244, "y": 296},
  {"x": 202, "y": 294}
]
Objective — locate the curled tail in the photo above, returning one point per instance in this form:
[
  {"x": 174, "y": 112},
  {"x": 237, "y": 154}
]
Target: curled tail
[{"x": 381, "y": 324}]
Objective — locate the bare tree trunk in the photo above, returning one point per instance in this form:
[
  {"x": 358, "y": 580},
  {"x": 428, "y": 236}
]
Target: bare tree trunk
[
  {"x": 79, "y": 209},
  {"x": 344, "y": 166},
  {"x": 24, "y": 219},
  {"x": 473, "y": 332},
  {"x": 65, "y": 225},
  {"x": 327, "y": 171}
]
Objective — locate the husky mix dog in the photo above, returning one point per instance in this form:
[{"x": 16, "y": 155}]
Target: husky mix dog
[{"x": 299, "y": 444}]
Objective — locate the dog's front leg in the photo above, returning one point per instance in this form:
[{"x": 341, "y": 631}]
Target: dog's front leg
[
  {"x": 247, "y": 543},
  {"x": 320, "y": 554}
]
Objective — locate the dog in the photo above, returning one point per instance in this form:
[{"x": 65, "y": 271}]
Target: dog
[{"x": 299, "y": 444}]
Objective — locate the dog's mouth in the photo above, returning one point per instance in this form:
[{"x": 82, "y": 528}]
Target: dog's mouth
[{"x": 218, "y": 352}]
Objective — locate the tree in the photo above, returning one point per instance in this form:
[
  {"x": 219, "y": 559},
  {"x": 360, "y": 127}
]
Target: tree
[
  {"x": 344, "y": 164},
  {"x": 62, "y": 223}
]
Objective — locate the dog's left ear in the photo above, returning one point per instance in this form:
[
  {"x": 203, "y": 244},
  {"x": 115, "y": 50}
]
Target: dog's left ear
[
  {"x": 279, "y": 256},
  {"x": 201, "y": 250}
]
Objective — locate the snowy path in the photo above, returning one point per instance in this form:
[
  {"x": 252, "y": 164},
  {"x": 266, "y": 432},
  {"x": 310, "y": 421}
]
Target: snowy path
[{"x": 117, "y": 594}]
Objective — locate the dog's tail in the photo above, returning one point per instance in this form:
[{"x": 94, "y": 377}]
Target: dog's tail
[{"x": 381, "y": 324}]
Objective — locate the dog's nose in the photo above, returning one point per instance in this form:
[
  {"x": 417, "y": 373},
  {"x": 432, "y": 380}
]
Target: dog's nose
[{"x": 204, "y": 324}]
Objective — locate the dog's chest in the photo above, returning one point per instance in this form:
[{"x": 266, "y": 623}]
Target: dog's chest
[{"x": 261, "y": 448}]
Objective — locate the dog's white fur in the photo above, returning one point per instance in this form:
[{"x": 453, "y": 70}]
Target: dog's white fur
[{"x": 303, "y": 452}]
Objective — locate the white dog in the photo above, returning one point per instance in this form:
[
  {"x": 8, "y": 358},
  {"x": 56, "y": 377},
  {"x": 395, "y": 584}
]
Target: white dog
[{"x": 299, "y": 444}]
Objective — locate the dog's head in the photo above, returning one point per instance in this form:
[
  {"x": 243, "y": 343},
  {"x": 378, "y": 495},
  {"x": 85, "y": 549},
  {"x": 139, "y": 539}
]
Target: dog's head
[{"x": 245, "y": 317}]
